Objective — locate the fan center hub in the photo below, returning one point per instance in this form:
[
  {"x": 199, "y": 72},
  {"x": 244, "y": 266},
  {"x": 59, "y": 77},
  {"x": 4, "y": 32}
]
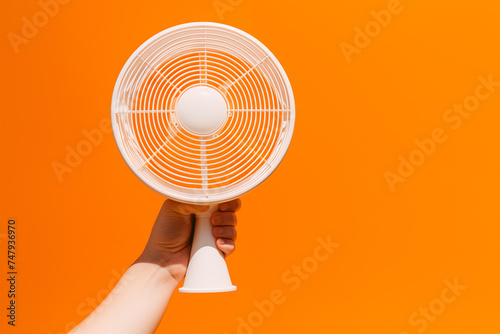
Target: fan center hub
[{"x": 201, "y": 110}]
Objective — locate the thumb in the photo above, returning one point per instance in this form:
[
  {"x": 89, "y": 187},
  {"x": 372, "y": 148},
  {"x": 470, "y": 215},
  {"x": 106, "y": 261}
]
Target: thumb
[
  {"x": 195, "y": 208},
  {"x": 184, "y": 208}
]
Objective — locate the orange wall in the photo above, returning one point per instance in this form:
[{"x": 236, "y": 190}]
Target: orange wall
[{"x": 406, "y": 222}]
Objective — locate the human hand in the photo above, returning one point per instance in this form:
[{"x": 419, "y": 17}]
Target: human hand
[{"x": 169, "y": 244}]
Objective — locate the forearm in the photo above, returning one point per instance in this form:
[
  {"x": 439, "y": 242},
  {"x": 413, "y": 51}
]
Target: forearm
[{"x": 136, "y": 304}]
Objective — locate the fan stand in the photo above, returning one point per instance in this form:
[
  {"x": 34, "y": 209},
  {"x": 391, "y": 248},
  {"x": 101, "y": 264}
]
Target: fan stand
[{"x": 207, "y": 270}]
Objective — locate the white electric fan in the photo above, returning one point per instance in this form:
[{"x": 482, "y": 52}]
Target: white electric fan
[{"x": 202, "y": 113}]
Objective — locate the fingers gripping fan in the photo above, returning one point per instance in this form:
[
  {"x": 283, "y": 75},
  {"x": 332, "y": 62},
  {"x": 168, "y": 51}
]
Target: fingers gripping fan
[{"x": 202, "y": 113}]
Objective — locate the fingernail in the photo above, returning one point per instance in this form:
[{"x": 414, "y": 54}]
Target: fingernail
[
  {"x": 223, "y": 207},
  {"x": 218, "y": 230},
  {"x": 217, "y": 219},
  {"x": 222, "y": 241}
]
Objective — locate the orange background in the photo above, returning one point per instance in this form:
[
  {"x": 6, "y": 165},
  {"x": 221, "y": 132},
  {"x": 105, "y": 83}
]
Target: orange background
[{"x": 354, "y": 119}]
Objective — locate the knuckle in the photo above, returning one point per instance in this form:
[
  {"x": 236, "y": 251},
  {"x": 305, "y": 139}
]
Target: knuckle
[
  {"x": 237, "y": 204},
  {"x": 234, "y": 218},
  {"x": 217, "y": 218}
]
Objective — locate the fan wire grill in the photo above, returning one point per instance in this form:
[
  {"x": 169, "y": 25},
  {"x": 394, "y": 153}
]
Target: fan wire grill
[{"x": 242, "y": 150}]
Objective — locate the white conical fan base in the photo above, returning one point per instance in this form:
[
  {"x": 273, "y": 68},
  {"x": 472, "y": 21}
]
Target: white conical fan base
[{"x": 207, "y": 270}]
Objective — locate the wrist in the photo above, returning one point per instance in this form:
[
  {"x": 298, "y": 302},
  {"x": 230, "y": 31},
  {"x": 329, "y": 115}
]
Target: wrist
[
  {"x": 161, "y": 273},
  {"x": 147, "y": 276},
  {"x": 167, "y": 265}
]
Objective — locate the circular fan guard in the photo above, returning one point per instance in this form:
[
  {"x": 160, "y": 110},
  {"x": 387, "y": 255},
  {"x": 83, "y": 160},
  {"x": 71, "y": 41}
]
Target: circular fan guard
[{"x": 224, "y": 163}]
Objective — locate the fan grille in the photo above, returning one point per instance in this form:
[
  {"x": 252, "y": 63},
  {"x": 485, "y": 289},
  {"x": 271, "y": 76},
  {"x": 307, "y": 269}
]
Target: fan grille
[{"x": 225, "y": 163}]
